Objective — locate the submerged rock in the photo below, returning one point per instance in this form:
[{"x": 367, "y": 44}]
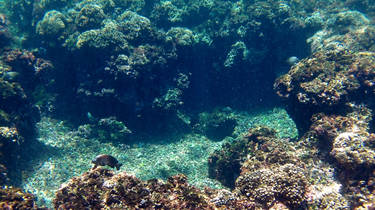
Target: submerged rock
[
  {"x": 15, "y": 198},
  {"x": 100, "y": 188},
  {"x": 216, "y": 125}
]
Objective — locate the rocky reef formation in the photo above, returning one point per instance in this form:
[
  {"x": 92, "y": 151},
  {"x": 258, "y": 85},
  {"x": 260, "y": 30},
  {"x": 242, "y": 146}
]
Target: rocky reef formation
[
  {"x": 142, "y": 65},
  {"x": 272, "y": 173},
  {"x": 15, "y": 198},
  {"x": 348, "y": 140},
  {"x": 225, "y": 164},
  {"x": 326, "y": 81},
  {"x": 18, "y": 114},
  {"x": 286, "y": 184},
  {"x": 20, "y": 74},
  {"x": 262, "y": 168},
  {"x": 216, "y": 125},
  {"x": 101, "y": 188},
  {"x": 173, "y": 46},
  {"x": 329, "y": 96},
  {"x": 107, "y": 129},
  {"x": 330, "y": 166}
]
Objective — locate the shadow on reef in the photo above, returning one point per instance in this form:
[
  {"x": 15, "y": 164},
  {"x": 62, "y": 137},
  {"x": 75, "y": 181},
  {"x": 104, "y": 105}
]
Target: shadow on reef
[{"x": 28, "y": 160}]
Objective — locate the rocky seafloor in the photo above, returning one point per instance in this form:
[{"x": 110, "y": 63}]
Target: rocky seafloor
[{"x": 61, "y": 154}]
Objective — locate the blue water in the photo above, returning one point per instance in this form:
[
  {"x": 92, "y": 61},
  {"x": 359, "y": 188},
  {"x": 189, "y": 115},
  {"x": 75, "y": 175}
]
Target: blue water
[{"x": 161, "y": 85}]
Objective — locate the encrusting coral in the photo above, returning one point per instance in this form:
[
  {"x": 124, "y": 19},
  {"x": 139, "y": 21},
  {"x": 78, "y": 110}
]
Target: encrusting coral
[
  {"x": 15, "y": 198},
  {"x": 101, "y": 188}
]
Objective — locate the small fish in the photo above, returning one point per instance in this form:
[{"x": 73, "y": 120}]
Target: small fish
[
  {"x": 11, "y": 76},
  {"x": 292, "y": 60},
  {"x": 91, "y": 118},
  {"x": 106, "y": 160}
]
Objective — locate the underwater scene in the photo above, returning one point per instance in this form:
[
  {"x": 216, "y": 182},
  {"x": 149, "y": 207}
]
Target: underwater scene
[{"x": 187, "y": 104}]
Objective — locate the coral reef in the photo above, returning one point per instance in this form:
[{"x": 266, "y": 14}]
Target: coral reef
[
  {"x": 332, "y": 88},
  {"x": 271, "y": 173},
  {"x": 20, "y": 73},
  {"x": 225, "y": 164},
  {"x": 106, "y": 129},
  {"x": 349, "y": 30},
  {"x": 26, "y": 69},
  {"x": 52, "y": 25},
  {"x": 17, "y": 121},
  {"x": 328, "y": 78},
  {"x": 101, "y": 188},
  {"x": 143, "y": 44},
  {"x": 142, "y": 66},
  {"x": 276, "y": 172},
  {"x": 325, "y": 82},
  {"x": 15, "y": 198},
  {"x": 347, "y": 140},
  {"x": 89, "y": 17},
  {"x": 286, "y": 184}
]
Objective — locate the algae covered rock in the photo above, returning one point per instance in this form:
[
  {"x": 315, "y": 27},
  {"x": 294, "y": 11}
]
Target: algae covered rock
[
  {"x": 346, "y": 138},
  {"x": 216, "y": 125},
  {"x": 105, "y": 129},
  {"x": 136, "y": 28},
  {"x": 225, "y": 164},
  {"x": 349, "y": 30},
  {"x": 52, "y": 25},
  {"x": 15, "y": 198},
  {"x": 89, "y": 17},
  {"x": 100, "y": 188},
  {"x": 326, "y": 81},
  {"x": 286, "y": 184},
  {"x": 352, "y": 150},
  {"x": 183, "y": 37},
  {"x": 170, "y": 101},
  {"x": 262, "y": 168},
  {"x": 106, "y": 38},
  {"x": 21, "y": 71},
  {"x": 351, "y": 143}
]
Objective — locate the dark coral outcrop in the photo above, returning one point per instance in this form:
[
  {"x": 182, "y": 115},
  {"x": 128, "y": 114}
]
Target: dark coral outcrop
[
  {"x": 262, "y": 168},
  {"x": 15, "y": 198},
  {"x": 286, "y": 184},
  {"x": 325, "y": 82},
  {"x": 225, "y": 164},
  {"x": 21, "y": 72},
  {"x": 101, "y": 188},
  {"x": 347, "y": 139}
]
